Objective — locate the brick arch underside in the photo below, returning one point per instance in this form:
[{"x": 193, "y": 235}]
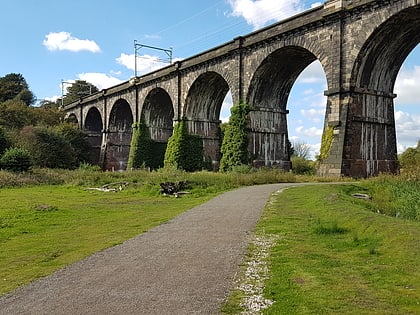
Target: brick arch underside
[
  {"x": 370, "y": 145},
  {"x": 118, "y": 137},
  {"x": 202, "y": 111},
  {"x": 268, "y": 94},
  {"x": 94, "y": 127},
  {"x": 158, "y": 114}
]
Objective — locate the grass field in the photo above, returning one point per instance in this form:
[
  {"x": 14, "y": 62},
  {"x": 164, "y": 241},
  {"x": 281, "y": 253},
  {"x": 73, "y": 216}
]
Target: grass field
[
  {"x": 43, "y": 228},
  {"x": 335, "y": 256}
]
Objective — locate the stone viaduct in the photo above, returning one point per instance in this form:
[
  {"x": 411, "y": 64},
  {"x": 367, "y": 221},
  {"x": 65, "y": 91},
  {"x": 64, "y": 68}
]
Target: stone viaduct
[{"x": 361, "y": 45}]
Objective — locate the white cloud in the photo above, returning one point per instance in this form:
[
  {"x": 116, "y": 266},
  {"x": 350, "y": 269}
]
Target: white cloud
[
  {"x": 259, "y": 12},
  {"x": 314, "y": 115},
  {"x": 65, "y": 41},
  {"x": 100, "y": 80},
  {"x": 408, "y": 129},
  {"x": 314, "y": 73},
  {"x": 407, "y": 86},
  {"x": 309, "y": 132},
  {"x": 145, "y": 63}
]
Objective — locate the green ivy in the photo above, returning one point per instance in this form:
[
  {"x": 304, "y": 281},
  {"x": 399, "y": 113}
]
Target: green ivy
[
  {"x": 326, "y": 142},
  {"x": 184, "y": 151},
  {"x": 141, "y": 147},
  {"x": 234, "y": 147}
]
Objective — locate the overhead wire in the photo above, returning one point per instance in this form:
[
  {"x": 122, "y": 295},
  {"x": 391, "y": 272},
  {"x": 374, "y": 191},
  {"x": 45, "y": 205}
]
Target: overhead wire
[{"x": 241, "y": 27}]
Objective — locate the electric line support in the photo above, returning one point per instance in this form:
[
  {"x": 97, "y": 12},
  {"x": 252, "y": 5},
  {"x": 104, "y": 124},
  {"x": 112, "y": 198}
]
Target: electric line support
[{"x": 138, "y": 46}]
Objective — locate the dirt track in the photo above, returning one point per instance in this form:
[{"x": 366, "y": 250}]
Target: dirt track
[{"x": 185, "y": 266}]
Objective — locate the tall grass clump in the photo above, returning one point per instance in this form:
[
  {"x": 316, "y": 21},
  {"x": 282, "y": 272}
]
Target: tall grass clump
[{"x": 396, "y": 196}]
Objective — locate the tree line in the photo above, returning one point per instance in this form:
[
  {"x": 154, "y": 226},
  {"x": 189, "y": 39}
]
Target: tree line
[{"x": 38, "y": 136}]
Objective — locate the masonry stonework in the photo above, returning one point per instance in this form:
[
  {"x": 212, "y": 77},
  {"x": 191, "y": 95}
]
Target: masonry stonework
[{"x": 361, "y": 45}]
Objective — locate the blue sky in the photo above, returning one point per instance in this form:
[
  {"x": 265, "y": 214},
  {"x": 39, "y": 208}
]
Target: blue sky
[{"x": 48, "y": 41}]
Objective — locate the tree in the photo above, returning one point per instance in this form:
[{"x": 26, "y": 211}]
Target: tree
[
  {"x": 234, "y": 147},
  {"x": 13, "y": 86},
  {"x": 77, "y": 90},
  {"x": 301, "y": 149}
]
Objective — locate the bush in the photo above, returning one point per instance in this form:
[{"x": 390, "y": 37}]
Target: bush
[
  {"x": 184, "y": 151},
  {"x": 77, "y": 139},
  {"x": 16, "y": 160},
  {"x": 301, "y": 166},
  {"x": 4, "y": 141},
  {"x": 49, "y": 148},
  {"x": 234, "y": 148},
  {"x": 410, "y": 158},
  {"x": 141, "y": 149}
]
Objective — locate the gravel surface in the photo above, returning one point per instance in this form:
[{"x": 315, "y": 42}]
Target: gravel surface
[{"x": 185, "y": 266}]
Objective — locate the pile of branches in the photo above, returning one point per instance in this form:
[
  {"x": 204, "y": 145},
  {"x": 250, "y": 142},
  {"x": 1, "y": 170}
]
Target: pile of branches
[
  {"x": 112, "y": 187},
  {"x": 174, "y": 188}
]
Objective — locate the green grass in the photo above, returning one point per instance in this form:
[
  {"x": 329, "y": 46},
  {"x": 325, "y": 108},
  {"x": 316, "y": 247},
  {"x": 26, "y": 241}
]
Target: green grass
[
  {"x": 43, "y": 228},
  {"x": 336, "y": 256}
]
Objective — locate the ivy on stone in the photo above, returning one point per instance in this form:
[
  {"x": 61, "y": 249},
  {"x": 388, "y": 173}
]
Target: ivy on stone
[
  {"x": 141, "y": 149},
  {"x": 326, "y": 143},
  {"x": 234, "y": 147},
  {"x": 184, "y": 151}
]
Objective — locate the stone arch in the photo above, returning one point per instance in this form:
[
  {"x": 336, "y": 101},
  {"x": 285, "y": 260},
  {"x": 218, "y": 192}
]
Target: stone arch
[
  {"x": 158, "y": 114},
  {"x": 380, "y": 59},
  {"x": 205, "y": 97},
  {"x": 94, "y": 127},
  {"x": 268, "y": 95},
  {"x": 202, "y": 110},
  {"x": 118, "y": 138},
  {"x": 72, "y": 118},
  {"x": 370, "y": 144},
  {"x": 93, "y": 120}
]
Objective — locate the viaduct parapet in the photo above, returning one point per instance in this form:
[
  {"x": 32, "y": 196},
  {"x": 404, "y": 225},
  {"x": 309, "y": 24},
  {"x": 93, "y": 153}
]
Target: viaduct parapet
[{"x": 361, "y": 46}]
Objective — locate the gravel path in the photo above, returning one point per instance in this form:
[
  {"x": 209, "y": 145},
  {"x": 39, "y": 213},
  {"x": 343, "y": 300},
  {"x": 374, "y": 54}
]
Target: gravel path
[{"x": 185, "y": 266}]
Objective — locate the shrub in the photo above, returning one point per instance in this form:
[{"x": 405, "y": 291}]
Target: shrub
[
  {"x": 77, "y": 139},
  {"x": 49, "y": 148},
  {"x": 234, "y": 148},
  {"x": 4, "y": 141},
  {"x": 16, "y": 160},
  {"x": 184, "y": 151},
  {"x": 301, "y": 166},
  {"x": 141, "y": 149},
  {"x": 410, "y": 158}
]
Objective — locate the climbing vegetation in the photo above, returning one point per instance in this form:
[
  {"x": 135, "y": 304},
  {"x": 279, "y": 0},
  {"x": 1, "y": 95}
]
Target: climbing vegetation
[
  {"x": 234, "y": 148},
  {"x": 326, "y": 142},
  {"x": 184, "y": 151},
  {"x": 144, "y": 152}
]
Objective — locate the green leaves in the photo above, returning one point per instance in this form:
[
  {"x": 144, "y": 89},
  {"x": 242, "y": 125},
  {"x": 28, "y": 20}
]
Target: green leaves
[
  {"x": 235, "y": 142},
  {"x": 184, "y": 151}
]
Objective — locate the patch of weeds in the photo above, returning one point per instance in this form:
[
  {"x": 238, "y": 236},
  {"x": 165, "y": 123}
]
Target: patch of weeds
[
  {"x": 45, "y": 208},
  {"x": 329, "y": 229},
  {"x": 52, "y": 255},
  {"x": 5, "y": 223}
]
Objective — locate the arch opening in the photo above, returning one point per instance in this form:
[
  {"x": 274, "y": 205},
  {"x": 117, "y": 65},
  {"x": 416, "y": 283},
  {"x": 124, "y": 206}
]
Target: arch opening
[
  {"x": 94, "y": 127},
  {"x": 158, "y": 114},
  {"x": 371, "y": 110},
  {"x": 118, "y": 136},
  {"x": 202, "y": 111},
  {"x": 72, "y": 119},
  {"x": 407, "y": 102},
  {"x": 268, "y": 95}
]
